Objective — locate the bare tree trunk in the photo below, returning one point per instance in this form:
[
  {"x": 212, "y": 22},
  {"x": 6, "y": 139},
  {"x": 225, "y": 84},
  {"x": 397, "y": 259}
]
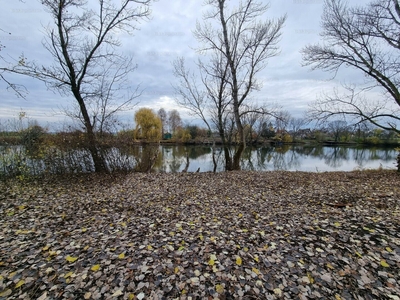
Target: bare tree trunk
[{"x": 237, "y": 156}]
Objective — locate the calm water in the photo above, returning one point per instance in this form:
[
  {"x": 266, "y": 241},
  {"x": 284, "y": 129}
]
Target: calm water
[
  {"x": 290, "y": 158},
  {"x": 15, "y": 160}
]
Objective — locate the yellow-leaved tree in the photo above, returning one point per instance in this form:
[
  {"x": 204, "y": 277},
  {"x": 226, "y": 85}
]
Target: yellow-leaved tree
[{"x": 148, "y": 125}]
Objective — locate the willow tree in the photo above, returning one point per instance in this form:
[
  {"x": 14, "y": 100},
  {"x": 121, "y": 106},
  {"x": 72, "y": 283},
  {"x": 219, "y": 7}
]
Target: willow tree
[
  {"x": 240, "y": 40},
  {"x": 82, "y": 44},
  {"x": 148, "y": 125}
]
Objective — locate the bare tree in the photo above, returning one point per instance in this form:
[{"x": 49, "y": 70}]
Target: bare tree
[
  {"x": 240, "y": 45},
  {"x": 282, "y": 120},
  {"x": 162, "y": 114},
  {"x": 365, "y": 39},
  {"x": 209, "y": 99},
  {"x": 83, "y": 46},
  {"x": 174, "y": 120},
  {"x": 337, "y": 128},
  {"x": 18, "y": 89},
  {"x": 295, "y": 125}
]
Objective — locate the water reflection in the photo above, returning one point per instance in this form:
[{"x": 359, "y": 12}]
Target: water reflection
[
  {"x": 167, "y": 158},
  {"x": 286, "y": 157}
]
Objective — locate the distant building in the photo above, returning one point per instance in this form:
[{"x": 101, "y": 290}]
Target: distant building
[{"x": 167, "y": 136}]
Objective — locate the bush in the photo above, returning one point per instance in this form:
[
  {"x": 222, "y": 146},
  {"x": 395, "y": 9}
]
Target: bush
[{"x": 33, "y": 136}]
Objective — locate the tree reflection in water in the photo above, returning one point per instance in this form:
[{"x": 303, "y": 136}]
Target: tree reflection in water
[{"x": 177, "y": 158}]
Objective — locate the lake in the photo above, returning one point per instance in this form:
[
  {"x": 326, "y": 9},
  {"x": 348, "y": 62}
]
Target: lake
[
  {"x": 15, "y": 161},
  {"x": 286, "y": 157}
]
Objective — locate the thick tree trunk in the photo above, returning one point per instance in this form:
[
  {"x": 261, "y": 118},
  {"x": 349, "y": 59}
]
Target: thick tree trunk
[
  {"x": 228, "y": 159},
  {"x": 237, "y": 157},
  {"x": 93, "y": 145},
  {"x": 98, "y": 159}
]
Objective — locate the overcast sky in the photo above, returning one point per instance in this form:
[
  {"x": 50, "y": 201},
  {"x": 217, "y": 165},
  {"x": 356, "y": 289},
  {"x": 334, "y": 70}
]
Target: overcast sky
[{"x": 166, "y": 36}]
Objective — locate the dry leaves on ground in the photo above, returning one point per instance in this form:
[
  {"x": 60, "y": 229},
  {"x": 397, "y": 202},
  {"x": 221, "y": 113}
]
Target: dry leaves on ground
[{"x": 272, "y": 235}]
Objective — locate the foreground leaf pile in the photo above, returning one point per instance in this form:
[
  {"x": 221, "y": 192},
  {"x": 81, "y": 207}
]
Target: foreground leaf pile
[{"x": 272, "y": 235}]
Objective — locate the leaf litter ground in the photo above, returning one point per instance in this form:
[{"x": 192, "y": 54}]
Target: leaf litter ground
[{"x": 245, "y": 235}]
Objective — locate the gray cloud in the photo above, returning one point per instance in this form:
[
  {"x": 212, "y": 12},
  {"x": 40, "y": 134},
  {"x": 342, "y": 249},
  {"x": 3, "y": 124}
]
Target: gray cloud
[{"x": 166, "y": 36}]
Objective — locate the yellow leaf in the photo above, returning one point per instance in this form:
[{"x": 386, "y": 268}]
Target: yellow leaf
[
  {"x": 201, "y": 237},
  {"x": 337, "y": 224},
  {"x": 87, "y": 295},
  {"x": 149, "y": 247},
  {"x": 131, "y": 296},
  {"x": 86, "y": 247},
  {"x": 388, "y": 249},
  {"x": 95, "y": 268},
  {"x": 121, "y": 256},
  {"x": 6, "y": 293},
  {"x": 239, "y": 261},
  {"x": 176, "y": 270},
  {"x": 11, "y": 275},
  {"x": 384, "y": 263},
  {"x": 255, "y": 270},
  {"x": 84, "y": 229},
  {"x": 240, "y": 215},
  {"x": 337, "y": 297},
  {"x": 359, "y": 254},
  {"x": 68, "y": 274},
  {"x": 245, "y": 249},
  {"x": 329, "y": 266},
  {"x": 71, "y": 259},
  {"x": 301, "y": 261},
  {"x": 52, "y": 253},
  {"x": 256, "y": 258},
  {"x": 20, "y": 283},
  {"x": 219, "y": 289},
  {"x": 45, "y": 248},
  {"x": 310, "y": 278},
  {"x": 21, "y": 207},
  {"x": 211, "y": 262}
]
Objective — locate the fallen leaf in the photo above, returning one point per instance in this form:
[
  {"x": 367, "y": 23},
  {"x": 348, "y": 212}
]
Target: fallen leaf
[
  {"x": 239, "y": 261},
  {"x": 219, "y": 289},
  {"x": 121, "y": 256},
  {"x": 329, "y": 266},
  {"x": 95, "y": 268},
  {"x": 43, "y": 297},
  {"x": 87, "y": 295},
  {"x": 310, "y": 278},
  {"x": 117, "y": 293},
  {"x": 384, "y": 263},
  {"x": 6, "y": 293},
  {"x": 20, "y": 283},
  {"x": 255, "y": 270},
  {"x": 71, "y": 259}
]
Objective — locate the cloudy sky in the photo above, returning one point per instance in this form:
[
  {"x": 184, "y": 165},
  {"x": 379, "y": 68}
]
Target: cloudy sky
[{"x": 166, "y": 36}]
